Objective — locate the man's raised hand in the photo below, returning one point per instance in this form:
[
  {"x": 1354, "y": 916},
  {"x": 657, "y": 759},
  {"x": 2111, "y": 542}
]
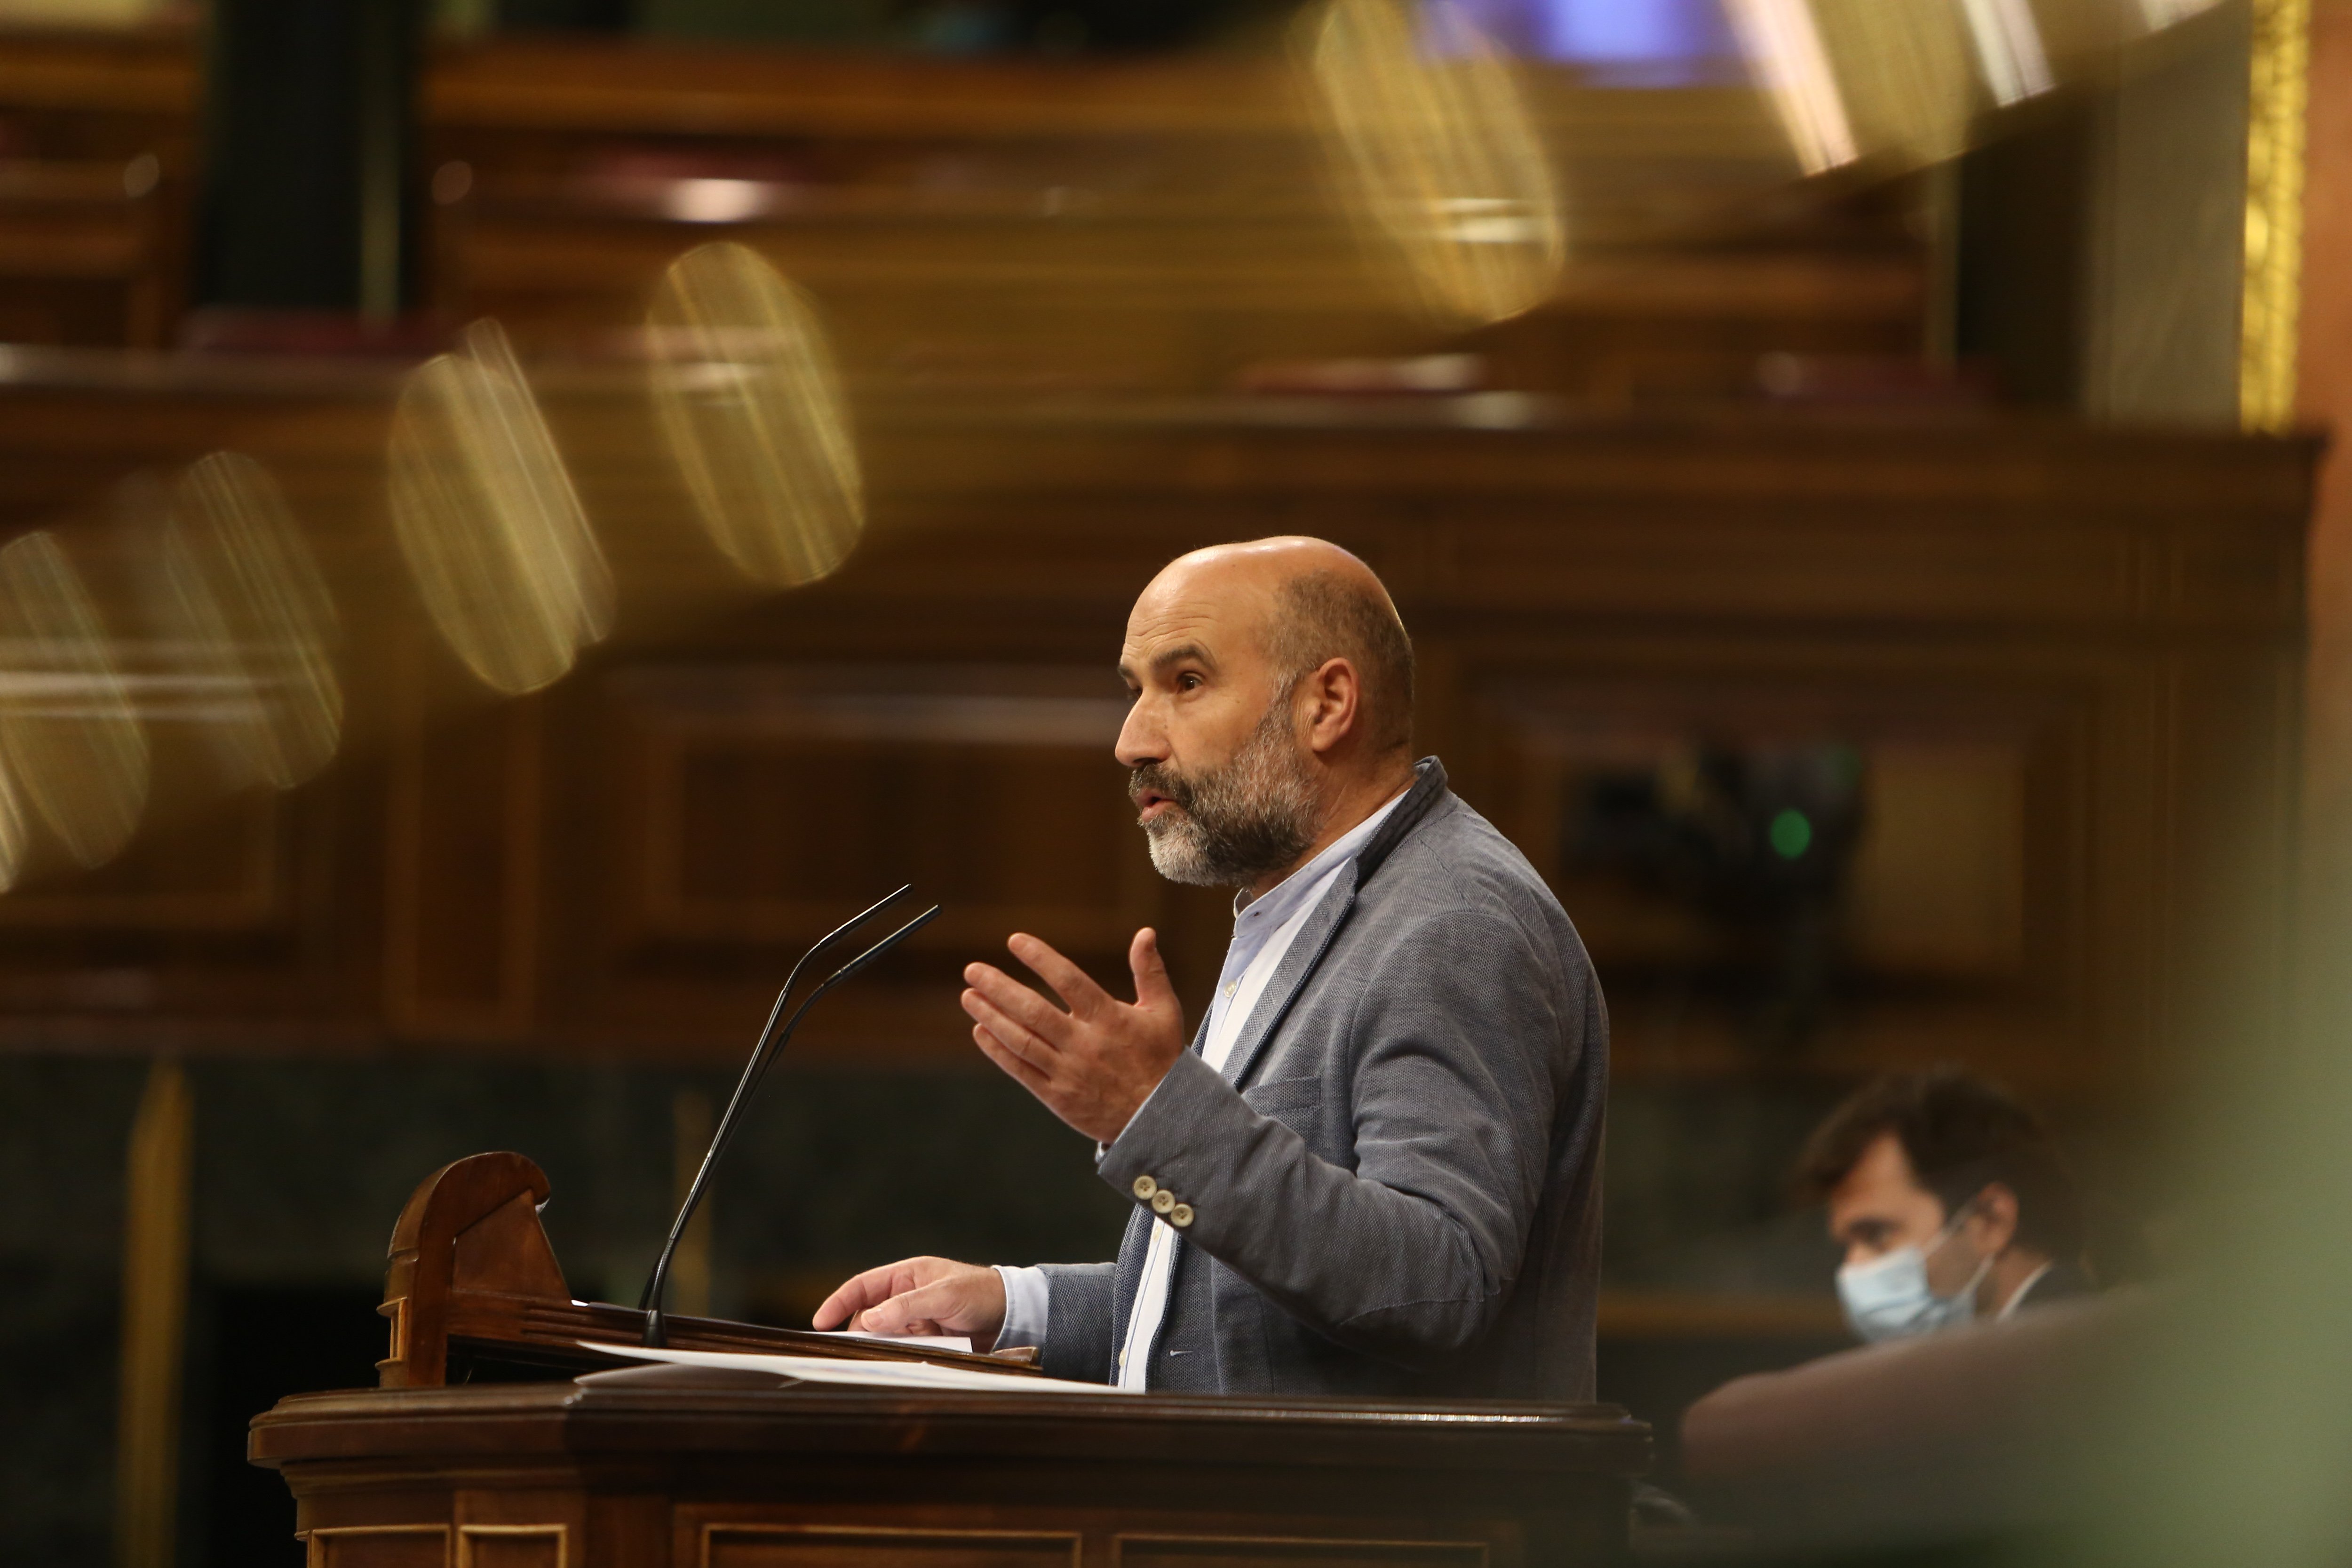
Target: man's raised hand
[{"x": 1095, "y": 1064}]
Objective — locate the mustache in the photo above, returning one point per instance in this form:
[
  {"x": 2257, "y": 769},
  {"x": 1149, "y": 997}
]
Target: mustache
[{"x": 1158, "y": 779}]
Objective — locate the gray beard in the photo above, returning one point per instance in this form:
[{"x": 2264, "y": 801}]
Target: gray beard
[{"x": 1252, "y": 817}]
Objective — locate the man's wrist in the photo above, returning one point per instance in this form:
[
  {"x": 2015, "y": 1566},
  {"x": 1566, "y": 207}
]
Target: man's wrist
[
  {"x": 1028, "y": 1304},
  {"x": 1103, "y": 1145}
]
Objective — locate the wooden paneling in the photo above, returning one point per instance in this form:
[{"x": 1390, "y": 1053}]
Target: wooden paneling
[
  {"x": 1969, "y": 924},
  {"x": 1098, "y": 223},
  {"x": 830, "y": 1476},
  {"x": 771, "y": 797},
  {"x": 229, "y": 878},
  {"x": 379, "y": 1546},
  {"x": 845, "y": 1546},
  {"x": 2064, "y": 660},
  {"x": 514, "y": 1546},
  {"x": 1277, "y": 1551},
  {"x": 1119, "y": 224},
  {"x": 462, "y": 870},
  {"x": 1940, "y": 876},
  {"x": 98, "y": 162},
  {"x": 750, "y": 805},
  {"x": 1950, "y": 792}
]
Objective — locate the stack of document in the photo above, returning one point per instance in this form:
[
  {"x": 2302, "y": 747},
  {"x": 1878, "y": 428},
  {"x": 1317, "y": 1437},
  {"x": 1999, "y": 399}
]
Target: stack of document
[{"x": 867, "y": 1374}]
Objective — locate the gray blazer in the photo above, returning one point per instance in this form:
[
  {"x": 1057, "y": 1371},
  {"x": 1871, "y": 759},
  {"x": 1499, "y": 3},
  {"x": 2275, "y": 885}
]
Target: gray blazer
[{"x": 1395, "y": 1184}]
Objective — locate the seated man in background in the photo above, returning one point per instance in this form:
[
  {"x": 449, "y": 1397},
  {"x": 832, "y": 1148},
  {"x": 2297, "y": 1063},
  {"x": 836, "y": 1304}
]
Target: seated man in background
[{"x": 1950, "y": 1201}]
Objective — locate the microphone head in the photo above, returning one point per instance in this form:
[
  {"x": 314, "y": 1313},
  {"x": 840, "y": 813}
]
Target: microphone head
[{"x": 885, "y": 945}]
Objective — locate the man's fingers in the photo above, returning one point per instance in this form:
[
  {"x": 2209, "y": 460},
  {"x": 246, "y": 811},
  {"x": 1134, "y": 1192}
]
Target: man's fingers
[
  {"x": 860, "y": 1291},
  {"x": 922, "y": 1310},
  {"x": 1016, "y": 1066},
  {"x": 957, "y": 1300},
  {"x": 1016, "y": 1035},
  {"x": 1071, "y": 984},
  {"x": 1152, "y": 988},
  {"x": 1014, "y": 1000}
]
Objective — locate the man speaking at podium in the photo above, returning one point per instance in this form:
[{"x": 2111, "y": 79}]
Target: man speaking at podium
[{"x": 1376, "y": 1171}]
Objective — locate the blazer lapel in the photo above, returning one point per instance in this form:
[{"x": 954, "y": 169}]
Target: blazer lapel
[
  {"x": 1201, "y": 1032},
  {"x": 1314, "y": 940}
]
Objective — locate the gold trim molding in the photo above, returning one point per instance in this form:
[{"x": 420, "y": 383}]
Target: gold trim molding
[
  {"x": 154, "y": 1317},
  {"x": 2277, "y": 88}
]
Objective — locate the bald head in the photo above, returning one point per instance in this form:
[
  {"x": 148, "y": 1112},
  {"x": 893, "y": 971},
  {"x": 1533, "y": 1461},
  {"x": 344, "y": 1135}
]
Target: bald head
[
  {"x": 1273, "y": 709},
  {"x": 1305, "y": 602}
]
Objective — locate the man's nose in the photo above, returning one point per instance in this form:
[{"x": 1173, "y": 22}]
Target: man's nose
[{"x": 1140, "y": 739}]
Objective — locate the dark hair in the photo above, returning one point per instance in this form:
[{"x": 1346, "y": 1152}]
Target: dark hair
[
  {"x": 1960, "y": 1133},
  {"x": 1324, "y": 615}
]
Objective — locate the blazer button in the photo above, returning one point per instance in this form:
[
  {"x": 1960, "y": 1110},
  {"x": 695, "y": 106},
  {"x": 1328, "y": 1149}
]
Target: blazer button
[
  {"x": 1180, "y": 1216},
  {"x": 1162, "y": 1201},
  {"x": 1145, "y": 1186}
]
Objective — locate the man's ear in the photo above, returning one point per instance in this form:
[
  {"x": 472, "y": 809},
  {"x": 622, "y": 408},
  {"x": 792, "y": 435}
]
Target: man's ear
[
  {"x": 1335, "y": 704},
  {"x": 1992, "y": 1219}
]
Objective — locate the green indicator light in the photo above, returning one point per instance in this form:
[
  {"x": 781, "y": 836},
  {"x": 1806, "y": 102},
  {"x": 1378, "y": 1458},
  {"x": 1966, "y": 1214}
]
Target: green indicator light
[{"x": 1791, "y": 834}]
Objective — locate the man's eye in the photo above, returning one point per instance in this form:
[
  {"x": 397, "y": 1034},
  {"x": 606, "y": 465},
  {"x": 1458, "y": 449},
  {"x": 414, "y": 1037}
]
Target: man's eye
[{"x": 1188, "y": 682}]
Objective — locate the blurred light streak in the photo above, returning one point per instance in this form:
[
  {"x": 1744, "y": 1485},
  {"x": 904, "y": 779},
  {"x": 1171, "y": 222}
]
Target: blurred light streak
[
  {"x": 244, "y": 600},
  {"x": 2270, "y": 299},
  {"x": 488, "y": 521},
  {"x": 752, "y": 408},
  {"x": 1441, "y": 153},
  {"x": 1901, "y": 69},
  {"x": 14, "y": 831},
  {"x": 2009, "y": 49},
  {"x": 2161, "y": 14},
  {"x": 717, "y": 200},
  {"x": 70, "y": 739},
  {"x": 1786, "y": 60}
]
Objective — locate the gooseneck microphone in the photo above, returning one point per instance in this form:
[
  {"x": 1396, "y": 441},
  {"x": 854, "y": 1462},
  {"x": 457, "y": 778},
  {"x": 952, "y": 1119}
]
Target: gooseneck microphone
[{"x": 770, "y": 1044}]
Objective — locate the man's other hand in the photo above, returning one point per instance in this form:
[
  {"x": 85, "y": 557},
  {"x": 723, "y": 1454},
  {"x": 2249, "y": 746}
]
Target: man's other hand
[
  {"x": 920, "y": 1296},
  {"x": 1094, "y": 1064}
]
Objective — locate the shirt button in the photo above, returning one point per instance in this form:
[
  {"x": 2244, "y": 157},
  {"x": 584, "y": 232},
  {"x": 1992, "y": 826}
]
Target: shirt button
[
  {"x": 1180, "y": 1216},
  {"x": 1145, "y": 1186},
  {"x": 1163, "y": 1201}
]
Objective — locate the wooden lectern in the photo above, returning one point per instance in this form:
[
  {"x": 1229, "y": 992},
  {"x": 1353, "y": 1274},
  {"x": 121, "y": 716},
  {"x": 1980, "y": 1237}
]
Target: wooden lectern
[
  {"x": 474, "y": 1294},
  {"x": 640, "y": 1465}
]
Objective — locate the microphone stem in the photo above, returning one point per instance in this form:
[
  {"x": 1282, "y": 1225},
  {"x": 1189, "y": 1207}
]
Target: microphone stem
[
  {"x": 651, "y": 1304},
  {"x": 771, "y": 1046}
]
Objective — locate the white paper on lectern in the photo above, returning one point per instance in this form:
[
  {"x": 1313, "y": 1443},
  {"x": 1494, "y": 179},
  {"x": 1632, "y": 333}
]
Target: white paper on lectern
[
  {"x": 862, "y": 1373},
  {"x": 928, "y": 1342}
]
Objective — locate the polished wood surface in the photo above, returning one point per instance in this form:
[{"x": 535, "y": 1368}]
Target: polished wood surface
[
  {"x": 2068, "y": 657},
  {"x": 1164, "y": 223},
  {"x": 98, "y": 167},
  {"x": 472, "y": 1292},
  {"x": 646, "y": 1463},
  {"x": 619, "y": 1469},
  {"x": 1158, "y": 224}
]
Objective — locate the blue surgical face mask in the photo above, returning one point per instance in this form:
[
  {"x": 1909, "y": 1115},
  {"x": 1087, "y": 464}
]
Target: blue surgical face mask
[{"x": 1888, "y": 1297}]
